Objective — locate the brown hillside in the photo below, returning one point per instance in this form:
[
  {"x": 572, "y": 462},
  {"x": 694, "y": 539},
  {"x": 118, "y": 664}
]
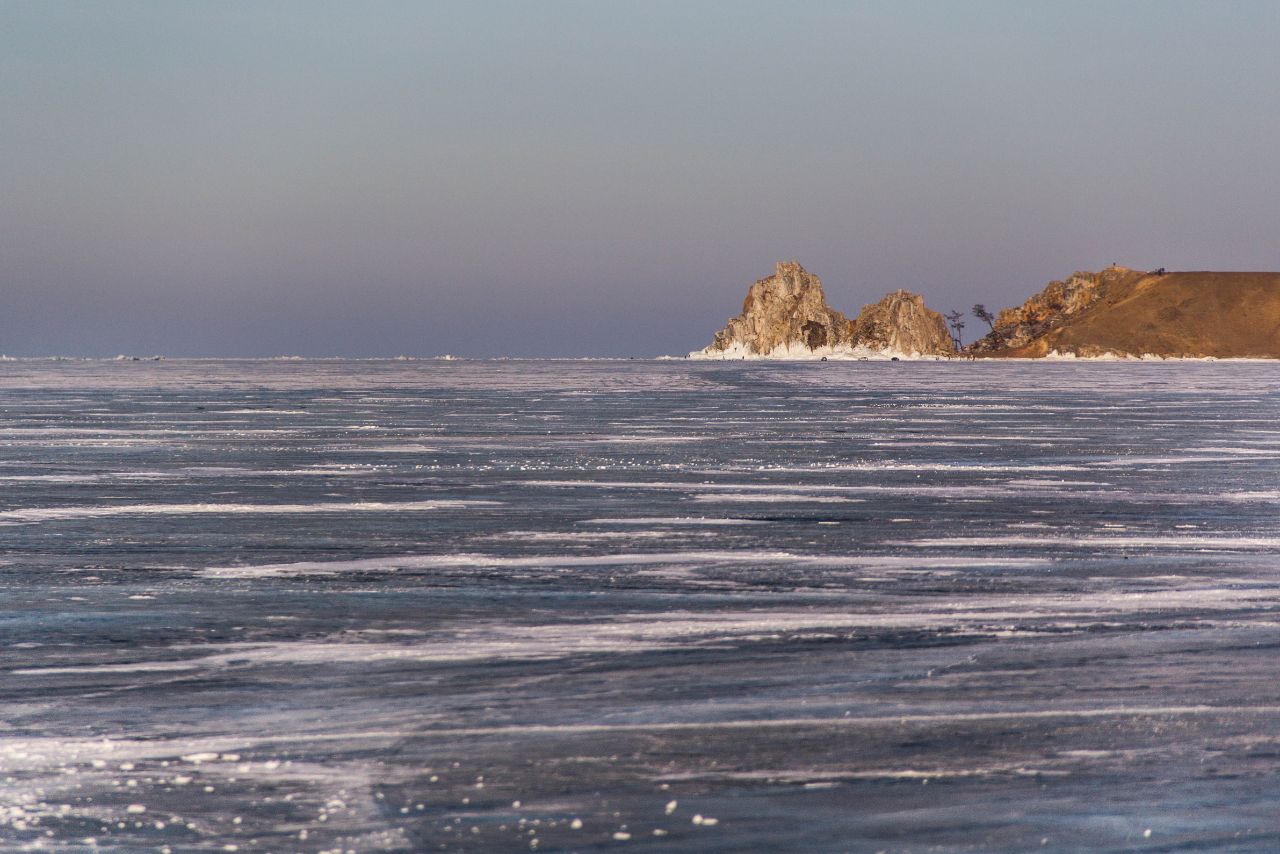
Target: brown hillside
[{"x": 1126, "y": 312}]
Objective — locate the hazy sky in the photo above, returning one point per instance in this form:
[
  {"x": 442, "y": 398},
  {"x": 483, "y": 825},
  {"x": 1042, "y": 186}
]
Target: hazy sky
[{"x": 602, "y": 178}]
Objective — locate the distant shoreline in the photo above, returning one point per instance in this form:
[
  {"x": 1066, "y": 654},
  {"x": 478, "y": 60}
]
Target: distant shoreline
[{"x": 1054, "y": 359}]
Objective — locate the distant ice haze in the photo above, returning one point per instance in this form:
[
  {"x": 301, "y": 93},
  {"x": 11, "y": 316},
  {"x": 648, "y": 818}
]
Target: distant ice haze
[{"x": 574, "y": 178}]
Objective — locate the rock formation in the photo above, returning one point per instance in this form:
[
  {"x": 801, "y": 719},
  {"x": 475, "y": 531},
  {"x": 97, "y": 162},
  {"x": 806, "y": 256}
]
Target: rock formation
[
  {"x": 786, "y": 316},
  {"x": 1015, "y": 328},
  {"x": 1115, "y": 312},
  {"x": 902, "y": 323},
  {"x": 1127, "y": 312},
  {"x": 783, "y": 312}
]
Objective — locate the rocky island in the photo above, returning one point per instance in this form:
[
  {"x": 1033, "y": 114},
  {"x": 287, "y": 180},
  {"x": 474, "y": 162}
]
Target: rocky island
[
  {"x": 786, "y": 316},
  {"x": 1115, "y": 313}
]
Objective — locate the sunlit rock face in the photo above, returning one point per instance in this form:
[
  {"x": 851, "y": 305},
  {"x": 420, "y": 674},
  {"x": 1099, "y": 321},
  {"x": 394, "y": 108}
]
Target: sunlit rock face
[
  {"x": 901, "y": 323},
  {"x": 1130, "y": 313},
  {"x": 1015, "y": 328},
  {"x": 786, "y": 316},
  {"x": 786, "y": 313}
]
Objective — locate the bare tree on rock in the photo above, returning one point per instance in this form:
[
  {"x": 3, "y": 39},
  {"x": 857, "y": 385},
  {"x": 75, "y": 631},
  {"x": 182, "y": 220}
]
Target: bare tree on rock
[
  {"x": 957, "y": 325},
  {"x": 980, "y": 312}
]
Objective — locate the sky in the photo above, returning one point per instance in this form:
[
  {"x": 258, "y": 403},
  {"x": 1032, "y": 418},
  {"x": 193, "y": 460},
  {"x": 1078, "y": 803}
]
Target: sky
[{"x": 602, "y": 178}]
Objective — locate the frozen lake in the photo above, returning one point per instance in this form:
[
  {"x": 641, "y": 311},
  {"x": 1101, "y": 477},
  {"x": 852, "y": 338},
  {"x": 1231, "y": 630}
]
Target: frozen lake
[{"x": 672, "y": 606}]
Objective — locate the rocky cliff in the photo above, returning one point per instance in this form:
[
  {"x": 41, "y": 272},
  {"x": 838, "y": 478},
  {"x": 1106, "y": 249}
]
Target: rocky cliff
[
  {"x": 902, "y": 323},
  {"x": 785, "y": 312},
  {"x": 1127, "y": 312},
  {"x": 786, "y": 316},
  {"x": 1016, "y": 328}
]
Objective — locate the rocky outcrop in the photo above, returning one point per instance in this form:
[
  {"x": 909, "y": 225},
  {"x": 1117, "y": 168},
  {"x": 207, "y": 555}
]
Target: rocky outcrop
[
  {"x": 786, "y": 316},
  {"x": 1123, "y": 312},
  {"x": 902, "y": 323},
  {"x": 1016, "y": 328},
  {"x": 785, "y": 312},
  {"x": 1115, "y": 312}
]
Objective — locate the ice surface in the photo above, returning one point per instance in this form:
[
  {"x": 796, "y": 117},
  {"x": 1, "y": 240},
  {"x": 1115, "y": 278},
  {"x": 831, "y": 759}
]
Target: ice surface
[{"x": 469, "y": 606}]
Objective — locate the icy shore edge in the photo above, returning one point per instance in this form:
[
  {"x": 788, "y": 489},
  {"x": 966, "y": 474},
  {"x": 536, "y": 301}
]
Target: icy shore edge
[{"x": 801, "y": 353}]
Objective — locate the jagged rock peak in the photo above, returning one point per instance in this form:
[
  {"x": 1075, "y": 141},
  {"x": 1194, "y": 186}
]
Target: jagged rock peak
[
  {"x": 902, "y": 323},
  {"x": 783, "y": 313},
  {"x": 786, "y": 316}
]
